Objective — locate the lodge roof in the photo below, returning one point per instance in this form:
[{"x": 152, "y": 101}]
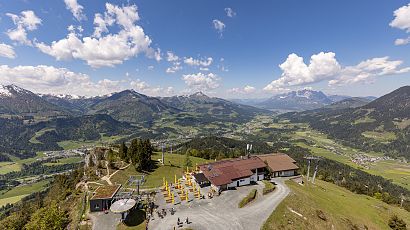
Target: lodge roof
[
  {"x": 278, "y": 162},
  {"x": 226, "y": 171},
  {"x": 105, "y": 192}
]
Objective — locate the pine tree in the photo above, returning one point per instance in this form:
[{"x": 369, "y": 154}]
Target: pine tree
[{"x": 123, "y": 152}]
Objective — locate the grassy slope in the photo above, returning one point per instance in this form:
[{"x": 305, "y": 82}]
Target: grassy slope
[
  {"x": 19, "y": 192},
  {"x": 339, "y": 206},
  {"x": 63, "y": 161},
  {"x": 6, "y": 167},
  {"x": 73, "y": 144},
  {"x": 154, "y": 179}
]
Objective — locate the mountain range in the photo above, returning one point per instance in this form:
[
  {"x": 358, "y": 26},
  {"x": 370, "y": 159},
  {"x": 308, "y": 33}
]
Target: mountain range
[{"x": 299, "y": 100}]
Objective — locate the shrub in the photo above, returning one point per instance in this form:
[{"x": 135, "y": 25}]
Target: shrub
[
  {"x": 396, "y": 223},
  {"x": 269, "y": 187},
  {"x": 249, "y": 198}
]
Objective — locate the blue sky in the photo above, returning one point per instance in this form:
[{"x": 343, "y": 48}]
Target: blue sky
[{"x": 231, "y": 49}]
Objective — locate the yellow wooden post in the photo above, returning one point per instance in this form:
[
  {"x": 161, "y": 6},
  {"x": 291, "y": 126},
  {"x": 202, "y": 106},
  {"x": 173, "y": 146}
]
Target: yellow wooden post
[
  {"x": 169, "y": 192},
  {"x": 175, "y": 178},
  {"x": 173, "y": 198},
  {"x": 186, "y": 196}
]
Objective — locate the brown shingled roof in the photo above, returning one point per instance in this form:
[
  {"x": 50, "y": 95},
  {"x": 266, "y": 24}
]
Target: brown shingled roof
[
  {"x": 226, "y": 171},
  {"x": 105, "y": 192},
  {"x": 279, "y": 162}
]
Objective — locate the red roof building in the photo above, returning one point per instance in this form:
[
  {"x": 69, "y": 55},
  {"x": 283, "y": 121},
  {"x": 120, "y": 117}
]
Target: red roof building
[{"x": 235, "y": 172}]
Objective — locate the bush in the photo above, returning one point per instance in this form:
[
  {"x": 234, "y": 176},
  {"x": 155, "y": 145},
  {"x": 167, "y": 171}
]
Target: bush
[
  {"x": 396, "y": 223},
  {"x": 269, "y": 187},
  {"x": 249, "y": 198}
]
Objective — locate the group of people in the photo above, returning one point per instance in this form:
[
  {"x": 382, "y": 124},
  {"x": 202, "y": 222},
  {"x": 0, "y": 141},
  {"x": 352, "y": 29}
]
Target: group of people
[{"x": 180, "y": 223}]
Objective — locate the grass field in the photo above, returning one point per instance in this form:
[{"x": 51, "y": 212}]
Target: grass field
[
  {"x": 16, "y": 194},
  {"x": 64, "y": 161},
  {"x": 327, "y": 206},
  {"x": 6, "y": 167},
  {"x": 15, "y": 164},
  {"x": 380, "y": 136},
  {"x": 38, "y": 134},
  {"x": 71, "y": 144},
  {"x": 154, "y": 179}
]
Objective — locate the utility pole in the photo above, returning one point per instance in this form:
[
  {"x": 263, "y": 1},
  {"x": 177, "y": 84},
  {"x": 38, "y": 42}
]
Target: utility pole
[
  {"x": 309, "y": 159},
  {"x": 163, "y": 149}
]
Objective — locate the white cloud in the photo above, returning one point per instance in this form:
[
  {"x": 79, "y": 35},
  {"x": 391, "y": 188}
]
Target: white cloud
[
  {"x": 219, "y": 26},
  {"x": 145, "y": 88},
  {"x": 176, "y": 67},
  {"x": 52, "y": 80},
  {"x": 324, "y": 66},
  {"x": 402, "y": 18},
  {"x": 151, "y": 67},
  {"x": 402, "y": 41},
  {"x": 76, "y": 9},
  {"x": 367, "y": 71},
  {"x": 7, "y": 51},
  {"x": 295, "y": 72},
  {"x": 229, "y": 12},
  {"x": 245, "y": 90},
  {"x": 402, "y": 21},
  {"x": 26, "y": 21},
  {"x": 105, "y": 49},
  {"x": 198, "y": 62},
  {"x": 171, "y": 57},
  {"x": 201, "y": 82}
]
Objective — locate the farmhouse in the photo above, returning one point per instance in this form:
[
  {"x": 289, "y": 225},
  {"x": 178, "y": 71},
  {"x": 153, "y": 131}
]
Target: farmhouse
[
  {"x": 233, "y": 173},
  {"x": 102, "y": 198},
  {"x": 280, "y": 164}
]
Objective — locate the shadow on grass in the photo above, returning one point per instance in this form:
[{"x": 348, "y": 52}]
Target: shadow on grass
[{"x": 135, "y": 218}]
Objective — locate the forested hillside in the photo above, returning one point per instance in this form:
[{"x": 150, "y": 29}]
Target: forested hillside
[
  {"x": 213, "y": 147},
  {"x": 382, "y": 125}
]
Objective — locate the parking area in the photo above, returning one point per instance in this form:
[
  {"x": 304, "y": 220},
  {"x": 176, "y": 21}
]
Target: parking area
[{"x": 222, "y": 212}]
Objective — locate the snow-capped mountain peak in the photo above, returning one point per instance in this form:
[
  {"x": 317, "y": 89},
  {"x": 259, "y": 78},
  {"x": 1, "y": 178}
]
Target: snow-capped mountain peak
[{"x": 4, "y": 91}]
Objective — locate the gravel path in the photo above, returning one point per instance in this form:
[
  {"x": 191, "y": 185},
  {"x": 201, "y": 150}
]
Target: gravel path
[{"x": 223, "y": 213}]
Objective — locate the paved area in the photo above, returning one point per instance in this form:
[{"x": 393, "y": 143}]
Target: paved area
[
  {"x": 102, "y": 221},
  {"x": 222, "y": 212}
]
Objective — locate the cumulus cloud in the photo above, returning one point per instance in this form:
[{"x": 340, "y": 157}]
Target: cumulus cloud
[
  {"x": 52, "y": 80},
  {"x": 26, "y": 21},
  {"x": 402, "y": 21},
  {"x": 171, "y": 57},
  {"x": 295, "y": 72},
  {"x": 219, "y": 26},
  {"x": 175, "y": 60},
  {"x": 104, "y": 48},
  {"x": 201, "y": 81},
  {"x": 76, "y": 9},
  {"x": 145, "y": 88},
  {"x": 204, "y": 62},
  {"x": 7, "y": 51},
  {"x": 176, "y": 67},
  {"x": 402, "y": 41},
  {"x": 367, "y": 71},
  {"x": 245, "y": 90},
  {"x": 229, "y": 12},
  {"x": 324, "y": 66}
]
